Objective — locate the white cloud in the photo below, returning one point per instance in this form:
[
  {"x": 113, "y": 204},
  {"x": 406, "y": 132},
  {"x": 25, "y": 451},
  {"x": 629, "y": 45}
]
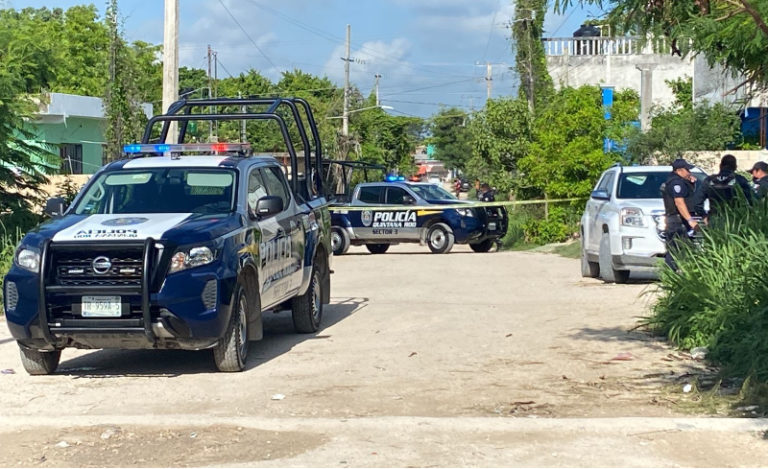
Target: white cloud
[{"x": 386, "y": 58}]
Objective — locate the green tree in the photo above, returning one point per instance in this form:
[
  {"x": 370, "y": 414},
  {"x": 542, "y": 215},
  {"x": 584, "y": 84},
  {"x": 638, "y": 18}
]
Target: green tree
[
  {"x": 733, "y": 33},
  {"x": 451, "y": 136},
  {"x": 676, "y": 131},
  {"x": 501, "y": 136},
  {"x": 122, "y": 97},
  {"x": 530, "y": 62}
]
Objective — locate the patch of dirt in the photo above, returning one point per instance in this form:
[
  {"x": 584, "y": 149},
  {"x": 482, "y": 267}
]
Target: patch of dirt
[{"x": 115, "y": 446}]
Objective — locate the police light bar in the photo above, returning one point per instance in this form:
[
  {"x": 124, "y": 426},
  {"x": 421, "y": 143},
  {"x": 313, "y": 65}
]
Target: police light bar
[
  {"x": 185, "y": 147},
  {"x": 393, "y": 178}
]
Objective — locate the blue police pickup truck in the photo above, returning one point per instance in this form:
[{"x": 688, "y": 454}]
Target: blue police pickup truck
[
  {"x": 177, "y": 246},
  {"x": 391, "y": 220}
]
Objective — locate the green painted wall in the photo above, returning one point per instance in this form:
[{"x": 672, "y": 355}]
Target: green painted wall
[{"x": 77, "y": 130}]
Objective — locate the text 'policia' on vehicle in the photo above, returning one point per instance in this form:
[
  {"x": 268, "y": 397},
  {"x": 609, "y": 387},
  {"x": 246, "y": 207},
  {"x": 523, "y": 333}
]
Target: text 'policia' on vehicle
[
  {"x": 438, "y": 228},
  {"x": 179, "y": 246}
]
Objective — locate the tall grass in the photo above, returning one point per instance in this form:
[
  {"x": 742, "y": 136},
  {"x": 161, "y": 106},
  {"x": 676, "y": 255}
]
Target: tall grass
[{"x": 719, "y": 296}]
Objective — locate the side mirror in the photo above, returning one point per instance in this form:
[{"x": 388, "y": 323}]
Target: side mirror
[
  {"x": 55, "y": 207},
  {"x": 408, "y": 200},
  {"x": 268, "y": 206},
  {"x": 601, "y": 195}
]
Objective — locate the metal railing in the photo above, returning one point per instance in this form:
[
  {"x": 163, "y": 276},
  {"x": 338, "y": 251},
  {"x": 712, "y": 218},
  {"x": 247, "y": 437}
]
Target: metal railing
[{"x": 605, "y": 46}]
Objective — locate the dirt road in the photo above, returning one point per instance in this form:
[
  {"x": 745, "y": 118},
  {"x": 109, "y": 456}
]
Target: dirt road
[{"x": 500, "y": 359}]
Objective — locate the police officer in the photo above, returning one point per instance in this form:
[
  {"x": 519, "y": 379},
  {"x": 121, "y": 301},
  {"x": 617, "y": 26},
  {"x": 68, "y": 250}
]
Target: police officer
[
  {"x": 723, "y": 189},
  {"x": 486, "y": 194},
  {"x": 760, "y": 178},
  {"x": 678, "y": 193}
]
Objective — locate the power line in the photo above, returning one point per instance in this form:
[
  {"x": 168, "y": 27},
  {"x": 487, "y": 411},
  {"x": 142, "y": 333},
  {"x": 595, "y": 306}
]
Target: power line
[
  {"x": 429, "y": 87},
  {"x": 221, "y": 2}
]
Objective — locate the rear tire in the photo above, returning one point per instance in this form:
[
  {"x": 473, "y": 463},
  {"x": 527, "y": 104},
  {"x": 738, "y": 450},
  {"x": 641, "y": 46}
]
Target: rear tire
[
  {"x": 307, "y": 309},
  {"x": 377, "y": 248},
  {"x": 482, "y": 246},
  {"x": 607, "y": 272},
  {"x": 339, "y": 241},
  {"x": 39, "y": 363},
  {"x": 588, "y": 269},
  {"x": 231, "y": 352},
  {"x": 440, "y": 238}
]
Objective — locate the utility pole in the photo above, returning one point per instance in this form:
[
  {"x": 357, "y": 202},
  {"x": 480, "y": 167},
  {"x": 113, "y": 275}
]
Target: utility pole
[
  {"x": 215, "y": 92},
  {"x": 378, "y": 77},
  {"x": 488, "y": 79},
  {"x": 345, "y": 114},
  {"x": 528, "y": 26},
  {"x": 171, "y": 61},
  {"x": 210, "y": 94}
]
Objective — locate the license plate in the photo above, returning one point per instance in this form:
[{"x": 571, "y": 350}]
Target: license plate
[
  {"x": 101, "y": 307},
  {"x": 492, "y": 226}
]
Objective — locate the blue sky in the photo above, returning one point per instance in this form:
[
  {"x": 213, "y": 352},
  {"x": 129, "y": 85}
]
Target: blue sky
[{"x": 429, "y": 52}]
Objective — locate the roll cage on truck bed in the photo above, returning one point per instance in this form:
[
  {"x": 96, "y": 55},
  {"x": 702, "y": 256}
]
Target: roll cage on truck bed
[{"x": 106, "y": 278}]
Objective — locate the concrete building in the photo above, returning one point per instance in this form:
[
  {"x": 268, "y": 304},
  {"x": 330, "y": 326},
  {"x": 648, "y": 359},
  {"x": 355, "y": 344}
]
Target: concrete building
[
  {"x": 75, "y": 124},
  {"x": 617, "y": 62}
]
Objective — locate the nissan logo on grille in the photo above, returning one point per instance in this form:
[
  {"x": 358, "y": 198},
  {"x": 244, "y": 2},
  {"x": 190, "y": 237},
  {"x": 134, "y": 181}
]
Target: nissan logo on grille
[{"x": 101, "y": 265}]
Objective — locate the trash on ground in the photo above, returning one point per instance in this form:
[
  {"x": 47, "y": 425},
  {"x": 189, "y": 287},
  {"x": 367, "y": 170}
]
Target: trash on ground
[
  {"x": 747, "y": 408},
  {"x": 8, "y": 371},
  {"x": 699, "y": 353},
  {"x": 62, "y": 444},
  {"x": 687, "y": 388},
  {"x": 623, "y": 356},
  {"x": 278, "y": 397}
]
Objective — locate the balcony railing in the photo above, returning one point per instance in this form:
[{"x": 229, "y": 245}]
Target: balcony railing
[{"x": 605, "y": 46}]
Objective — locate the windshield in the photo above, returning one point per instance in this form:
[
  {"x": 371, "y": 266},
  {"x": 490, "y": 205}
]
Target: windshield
[
  {"x": 645, "y": 185},
  {"x": 432, "y": 192},
  {"x": 160, "y": 190}
]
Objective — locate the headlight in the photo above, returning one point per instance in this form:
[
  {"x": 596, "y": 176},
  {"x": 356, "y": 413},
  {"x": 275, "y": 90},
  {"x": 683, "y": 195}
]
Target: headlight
[
  {"x": 187, "y": 259},
  {"x": 28, "y": 259},
  {"x": 465, "y": 212},
  {"x": 632, "y": 216}
]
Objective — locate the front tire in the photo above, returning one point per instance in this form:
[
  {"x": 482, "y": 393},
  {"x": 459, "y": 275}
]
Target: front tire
[
  {"x": 483, "y": 246},
  {"x": 39, "y": 363},
  {"x": 377, "y": 248},
  {"x": 440, "y": 238},
  {"x": 307, "y": 309},
  {"x": 607, "y": 272},
  {"x": 339, "y": 241},
  {"x": 231, "y": 352}
]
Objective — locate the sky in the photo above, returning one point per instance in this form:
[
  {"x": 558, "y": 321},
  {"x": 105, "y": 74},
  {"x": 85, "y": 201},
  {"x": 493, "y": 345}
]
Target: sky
[{"x": 429, "y": 53}]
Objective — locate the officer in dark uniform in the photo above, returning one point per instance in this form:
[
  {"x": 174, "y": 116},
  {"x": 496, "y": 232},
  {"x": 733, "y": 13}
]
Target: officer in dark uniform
[
  {"x": 760, "y": 178},
  {"x": 678, "y": 192},
  {"x": 486, "y": 194},
  {"x": 723, "y": 189}
]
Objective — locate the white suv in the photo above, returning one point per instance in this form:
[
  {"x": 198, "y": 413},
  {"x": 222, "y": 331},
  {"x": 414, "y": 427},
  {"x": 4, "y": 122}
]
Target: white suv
[{"x": 623, "y": 222}]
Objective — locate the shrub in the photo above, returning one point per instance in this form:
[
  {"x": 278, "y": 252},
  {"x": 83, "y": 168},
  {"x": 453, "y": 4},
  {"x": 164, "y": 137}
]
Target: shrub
[
  {"x": 7, "y": 250},
  {"x": 719, "y": 296}
]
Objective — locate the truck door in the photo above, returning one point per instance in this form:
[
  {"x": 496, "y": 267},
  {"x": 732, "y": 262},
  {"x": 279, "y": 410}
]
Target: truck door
[
  {"x": 594, "y": 208},
  {"x": 262, "y": 234},
  {"x": 362, "y": 221},
  {"x": 287, "y": 251},
  {"x": 400, "y": 224}
]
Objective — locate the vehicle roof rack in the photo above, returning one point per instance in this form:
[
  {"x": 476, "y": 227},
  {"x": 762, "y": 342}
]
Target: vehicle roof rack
[{"x": 181, "y": 112}]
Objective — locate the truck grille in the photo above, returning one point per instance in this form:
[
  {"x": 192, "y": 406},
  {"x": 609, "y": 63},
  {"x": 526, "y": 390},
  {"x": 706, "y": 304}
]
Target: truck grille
[{"x": 115, "y": 267}]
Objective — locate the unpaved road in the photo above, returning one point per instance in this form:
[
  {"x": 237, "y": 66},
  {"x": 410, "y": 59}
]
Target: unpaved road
[{"x": 500, "y": 359}]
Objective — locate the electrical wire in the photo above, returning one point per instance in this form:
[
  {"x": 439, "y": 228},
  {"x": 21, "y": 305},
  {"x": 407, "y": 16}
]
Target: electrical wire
[{"x": 221, "y": 2}]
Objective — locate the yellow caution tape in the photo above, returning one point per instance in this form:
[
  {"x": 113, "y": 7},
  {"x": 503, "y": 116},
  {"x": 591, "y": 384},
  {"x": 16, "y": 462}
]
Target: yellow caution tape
[{"x": 428, "y": 209}]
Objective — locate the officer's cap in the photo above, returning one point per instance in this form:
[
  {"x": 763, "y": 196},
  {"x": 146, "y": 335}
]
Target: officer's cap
[
  {"x": 681, "y": 164},
  {"x": 761, "y": 165}
]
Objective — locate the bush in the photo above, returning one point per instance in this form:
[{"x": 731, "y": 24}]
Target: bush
[
  {"x": 562, "y": 222},
  {"x": 8, "y": 245},
  {"x": 719, "y": 296}
]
